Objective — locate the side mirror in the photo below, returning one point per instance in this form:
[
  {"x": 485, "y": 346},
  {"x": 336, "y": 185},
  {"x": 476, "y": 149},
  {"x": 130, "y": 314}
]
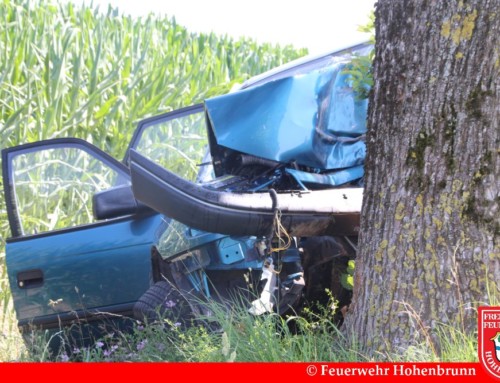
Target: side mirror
[{"x": 116, "y": 202}]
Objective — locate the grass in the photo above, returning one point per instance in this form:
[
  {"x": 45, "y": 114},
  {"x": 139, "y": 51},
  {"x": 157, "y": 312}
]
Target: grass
[{"x": 233, "y": 335}]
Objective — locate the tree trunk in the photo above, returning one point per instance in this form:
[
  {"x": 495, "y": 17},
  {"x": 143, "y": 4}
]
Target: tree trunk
[{"x": 429, "y": 242}]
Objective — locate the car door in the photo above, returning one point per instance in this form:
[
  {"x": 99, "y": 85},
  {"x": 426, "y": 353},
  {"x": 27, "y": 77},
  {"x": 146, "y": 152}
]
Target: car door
[
  {"x": 175, "y": 140},
  {"x": 64, "y": 264}
]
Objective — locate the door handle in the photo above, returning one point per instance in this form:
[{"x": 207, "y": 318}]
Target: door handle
[{"x": 30, "y": 278}]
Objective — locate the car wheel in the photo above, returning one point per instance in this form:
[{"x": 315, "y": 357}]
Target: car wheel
[{"x": 162, "y": 302}]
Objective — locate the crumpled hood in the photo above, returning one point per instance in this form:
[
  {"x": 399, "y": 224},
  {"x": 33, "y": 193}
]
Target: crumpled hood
[{"x": 313, "y": 119}]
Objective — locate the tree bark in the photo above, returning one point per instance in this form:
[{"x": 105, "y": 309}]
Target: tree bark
[{"x": 429, "y": 241}]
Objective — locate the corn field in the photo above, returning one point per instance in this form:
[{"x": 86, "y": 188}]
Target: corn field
[{"x": 68, "y": 71}]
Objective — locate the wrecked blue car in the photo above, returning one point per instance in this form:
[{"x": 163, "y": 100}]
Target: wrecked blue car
[
  {"x": 255, "y": 194},
  {"x": 281, "y": 185}
]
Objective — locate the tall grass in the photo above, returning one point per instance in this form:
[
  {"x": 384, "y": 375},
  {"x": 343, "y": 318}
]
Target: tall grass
[
  {"x": 68, "y": 71},
  {"x": 232, "y": 334}
]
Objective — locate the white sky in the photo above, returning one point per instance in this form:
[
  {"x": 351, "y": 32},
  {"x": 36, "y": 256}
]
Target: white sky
[{"x": 319, "y": 25}]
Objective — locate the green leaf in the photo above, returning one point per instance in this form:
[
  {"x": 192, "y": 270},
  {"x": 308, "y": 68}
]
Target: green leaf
[
  {"x": 103, "y": 111},
  {"x": 350, "y": 267},
  {"x": 347, "y": 281}
]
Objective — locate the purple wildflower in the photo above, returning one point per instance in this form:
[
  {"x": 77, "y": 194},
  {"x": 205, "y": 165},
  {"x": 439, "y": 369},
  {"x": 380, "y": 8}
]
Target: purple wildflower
[
  {"x": 107, "y": 353},
  {"x": 169, "y": 304},
  {"x": 99, "y": 344},
  {"x": 64, "y": 357},
  {"x": 142, "y": 344}
]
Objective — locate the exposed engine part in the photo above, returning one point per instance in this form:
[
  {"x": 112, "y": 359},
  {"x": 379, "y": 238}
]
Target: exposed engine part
[
  {"x": 325, "y": 259},
  {"x": 283, "y": 278},
  {"x": 244, "y": 160},
  {"x": 266, "y": 301},
  {"x": 291, "y": 291}
]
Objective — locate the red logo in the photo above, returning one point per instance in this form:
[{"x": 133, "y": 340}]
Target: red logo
[{"x": 489, "y": 339}]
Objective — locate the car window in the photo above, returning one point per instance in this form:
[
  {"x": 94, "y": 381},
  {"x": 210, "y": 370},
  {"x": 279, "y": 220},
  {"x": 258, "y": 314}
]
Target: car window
[
  {"x": 53, "y": 187},
  {"x": 176, "y": 141}
]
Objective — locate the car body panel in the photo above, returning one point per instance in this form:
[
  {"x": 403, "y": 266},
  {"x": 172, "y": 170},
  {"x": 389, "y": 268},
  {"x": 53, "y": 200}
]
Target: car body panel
[
  {"x": 78, "y": 264},
  {"x": 92, "y": 267},
  {"x": 312, "y": 119},
  {"x": 302, "y": 214},
  {"x": 308, "y": 63}
]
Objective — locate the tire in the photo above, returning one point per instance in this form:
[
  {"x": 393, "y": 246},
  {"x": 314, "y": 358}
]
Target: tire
[{"x": 163, "y": 303}]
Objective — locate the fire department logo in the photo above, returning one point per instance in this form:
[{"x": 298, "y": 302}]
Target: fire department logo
[{"x": 489, "y": 339}]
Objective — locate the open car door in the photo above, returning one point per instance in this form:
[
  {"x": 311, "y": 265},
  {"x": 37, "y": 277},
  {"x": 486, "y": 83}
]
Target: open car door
[{"x": 80, "y": 245}]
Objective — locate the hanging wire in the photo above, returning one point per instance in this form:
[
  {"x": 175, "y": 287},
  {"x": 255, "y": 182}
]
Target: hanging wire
[{"x": 280, "y": 233}]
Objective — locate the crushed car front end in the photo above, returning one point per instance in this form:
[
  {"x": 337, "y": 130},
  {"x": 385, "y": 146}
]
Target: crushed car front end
[{"x": 273, "y": 214}]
